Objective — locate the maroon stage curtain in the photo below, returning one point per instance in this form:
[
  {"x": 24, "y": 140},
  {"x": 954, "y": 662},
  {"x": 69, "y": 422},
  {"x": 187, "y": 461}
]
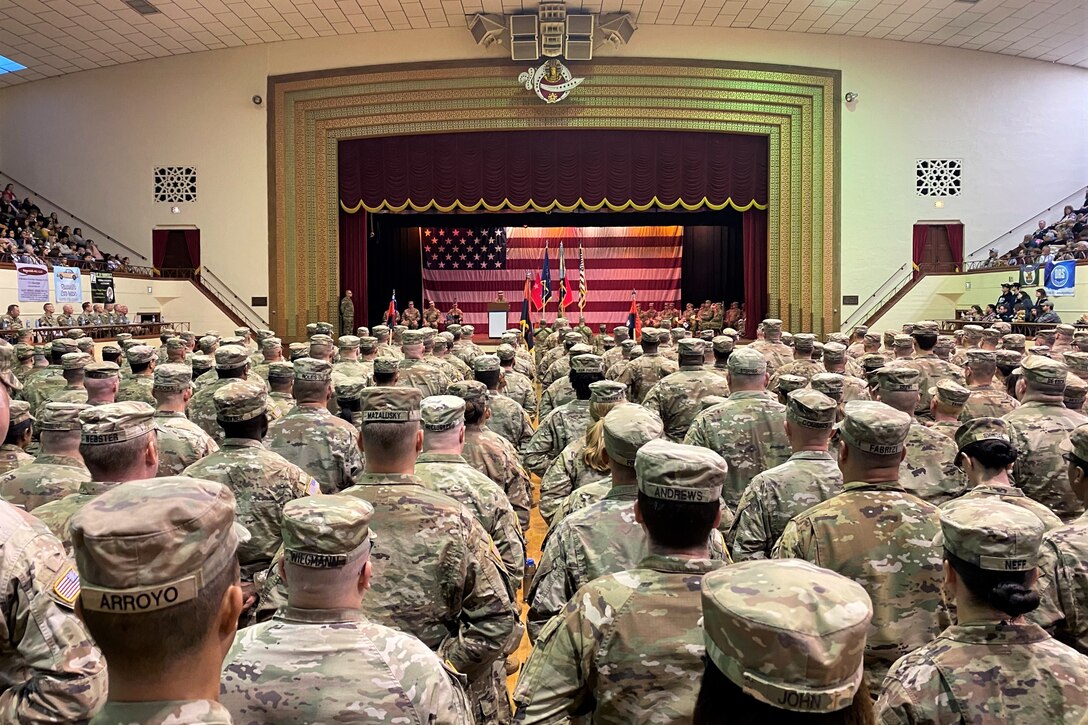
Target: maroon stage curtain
[
  {"x": 755, "y": 269},
  {"x": 921, "y": 233},
  {"x": 353, "y": 239},
  {"x": 955, "y": 241},
  {"x": 158, "y": 246},
  {"x": 576, "y": 168},
  {"x": 192, "y": 243}
]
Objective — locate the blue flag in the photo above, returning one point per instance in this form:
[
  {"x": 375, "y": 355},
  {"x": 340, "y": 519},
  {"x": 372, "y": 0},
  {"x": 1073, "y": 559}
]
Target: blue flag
[
  {"x": 546, "y": 279},
  {"x": 1061, "y": 278}
]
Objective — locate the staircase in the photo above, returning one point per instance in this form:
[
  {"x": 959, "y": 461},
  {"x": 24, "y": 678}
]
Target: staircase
[{"x": 894, "y": 288}]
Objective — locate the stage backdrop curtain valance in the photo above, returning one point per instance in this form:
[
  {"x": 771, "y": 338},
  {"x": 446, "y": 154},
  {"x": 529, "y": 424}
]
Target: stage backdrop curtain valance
[{"x": 546, "y": 170}]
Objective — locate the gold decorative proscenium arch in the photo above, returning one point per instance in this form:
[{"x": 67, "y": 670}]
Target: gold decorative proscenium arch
[{"x": 796, "y": 107}]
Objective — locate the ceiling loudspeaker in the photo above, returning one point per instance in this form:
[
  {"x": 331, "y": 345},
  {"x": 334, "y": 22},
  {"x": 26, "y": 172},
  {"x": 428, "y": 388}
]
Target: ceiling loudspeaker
[
  {"x": 615, "y": 28},
  {"x": 579, "y": 40},
  {"x": 524, "y": 37},
  {"x": 487, "y": 30}
]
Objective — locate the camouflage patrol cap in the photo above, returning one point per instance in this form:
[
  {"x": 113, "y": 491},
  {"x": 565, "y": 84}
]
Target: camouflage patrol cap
[
  {"x": 811, "y": 409},
  {"x": 24, "y": 351},
  {"x": 281, "y": 370},
  {"x": 239, "y": 401},
  {"x": 326, "y": 532},
  {"x": 149, "y": 545},
  {"x": 834, "y": 352},
  {"x": 505, "y": 353},
  {"x": 41, "y": 349},
  {"x": 173, "y": 378},
  {"x": 621, "y": 331},
  {"x": 950, "y": 392},
  {"x": 242, "y": 331},
  {"x": 311, "y": 329},
  {"x": 205, "y": 344},
  {"x": 468, "y": 390},
  {"x": 872, "y": 337},
  {"x": 411, "y": 338},
  {"x": 467, "y": 330},
  {"x": 453, "y": 329},
  {"x": 873, "y": 361},
  {"x": 787, "y": 337},
  {"x": 381, "y": 331},
  {"x": 349, "y": 388},
  {"x": 895, "y": 380},
  {"x": 75, "y": 360},
  {"x": 731, "y": 333},
  {"x": 609, "y": 342},
  {"x": 60, "y": 416},
  {"x": 85, "y": 344},
  {"x": 982, "y": 429},
  {"x": 945, "y": 342},
  {"x": 907, "y": 328},
  {"x": 187, "y": 336},
  {"x": 889, "y": 337},
  {"x": 572, "y": 338},
  {"x": 1008, "y": 358},
  {"x": 561, "y": 323},
  {"x": 176, "y": 343},
  {"x": 691, "y": 347},
  {"x": 653, "y": 335},
  {"x": 628, "y": 427},
  {"x": 515, "y": 331},
  {"x": 1076, "y": 389},
  {"x": 62, "y": 345},
  {"x": 202, "y": 364},
  {"x": 1077, "y": 442},
  {"x": 315, "y": 371},
  {"x": 788, "y": 383},
  {"x": 362, "y": 331},
  {"x": 140, "y": 355},
  {"x": 231, "y": 357},
  {"x": 392, "y": 405},
  {"x": 442, "y": 412},
  {"x": 367, "y": 344},
  {"x": 587, "y": 363},
  {"x": 1067, "y": 330},
  {"x": 324, "y": 328},
  {"x": 20, "y": 412},
  {"x": 972, "y": 332},
  {"x": 233, "y": 340},
  {"x": 1041, "y": 350},
  {"x": 830, "y": 384},
  {"x": 123, "y": 336},
  {"x": 1003, "y": 327},
  {"x": 1044, "y": 372},
  {"x": 903, "y": 342},
  {"x": 981, "y": 358},
  {"x": 440, "y": 343},
  {"x": 679, "y": 333},
  {"x": 386, "y": 366},
  {"x": 681, "y": 473},
  {"x": 804, "y": 341},
  {"x": 991, "y": 334},
  {"x": 320, "y": 340},
  {"x": 873, "y": 427},
  {"x": 627, "y": 344},
  {"x": 1077, "y": 361},
  {"x": 486, "y": 363},
  {"x": 722, "y": 344},
  {"x": 771, "y": 325},
  {"x": 634, "y": 352},
  {"x": 607, "y": 391},
  {"x": 993, "y": 535},
  {"x": 747, "y": 361},
  {"x": 580, "y": 349},
  {"x": 115, "y": 422},
  {"x": 1014, "y": 342},
  {"x": 264, "y": 335},
  {"x": 269, "y": 344},
  {"x": 710, "y": 401},
  {"x": 817, "y": 621},
  {"x": 127, "y": 345},
  {"x": 1047, "y": 336},
  {"x": 839, "y": 337}
]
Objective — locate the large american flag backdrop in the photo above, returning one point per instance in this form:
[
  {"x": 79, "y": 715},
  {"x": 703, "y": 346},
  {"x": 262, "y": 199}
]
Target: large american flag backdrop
[{"x": 474, "y": 265}]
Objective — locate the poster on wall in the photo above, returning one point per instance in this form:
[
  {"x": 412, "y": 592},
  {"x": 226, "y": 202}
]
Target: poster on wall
[
  {"x": 1061, "y": 278},
  {"x": 33, "y": 282},
  {"x": 102, "y": 288},
  {"x": 67, "y": 284},
  {"x": 1029, "y": 276}
]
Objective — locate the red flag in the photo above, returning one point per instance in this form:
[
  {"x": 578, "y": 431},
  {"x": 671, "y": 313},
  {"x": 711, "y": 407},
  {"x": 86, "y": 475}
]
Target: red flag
[
  {"x": 634, "y": 322},
  {"x": 391, "y": 313},
  {"x": 536, "y": 293},
  {"x": 566, "y": 294}
]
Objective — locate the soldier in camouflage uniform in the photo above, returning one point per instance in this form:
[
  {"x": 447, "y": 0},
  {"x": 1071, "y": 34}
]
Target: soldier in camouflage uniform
[
  {"x": 931, "y": 367},
  {"x": 928, "y": 470},
  {"x": 604, "y": 537},
  {"x": 556, "y": 362},
  {"x": 514, "y": 384},
  {"x": 567, "y": 422},
  {"x": 442, "y": 468},
  {"x": 748, "y": 430},
  {"x": 463, "y": 346},
  {"x": 138, "y": 385},
  {"x": 261, "y": 481},
  {"x": 439, "y": 577},
  {"x": 776, "y": 352},
  {"x": 231, "y": 363},
  {"x": 441, "y": 352},
  {"x": 560, "y": 392},
  {"x": 186, "y": 528},
  {"x": 1038, "y": 428},
  {"x": 73, "y": 365},
  {"x": 385, "y": 349},
  {"x": 1063, "y": 559},
  {"x": 813, "y": 671},
  {"x": 181, "y": 442},
  {"x": 946, "y": 402},
  {"x": 874, "y": 521},
  {"x": 580, "y": 462},
  {"x": 117, "y": 444},
  {"x": 490, "y": 453},
  {"x": 631, "y": 642},
  {"x": 615, "y": 355},
  {"x": 837, "y": 361},
  {"x": 445, "y": 364},
  {"x": 281, "y": 380},
  {"x": 646, "y": 371},
  {"x": 13, "y": 453},
  {"x": 58, "y": 470},
  {"x": 1076, "y": 391},
  {"x": 54, "y": 671},
  {"x": 311, "y": 437},
  {"x": 24, "y": 362},
  {"x": 42, "y": 381},
  {"x": 786, "y": 384},
  {"x": 678, "y": 396},
  {"x": 810, "y": 476},
  {"x": 987, "y": 400},
  {"x": 271, "y": 352},
  {"x": 991, "y": 663},
  {"x": 415, "y": 372},
  {"x": 321, "y": 641},
  {"x": 802, "y": 364},
  {"x": 350, "y": 366},
  {"x": 508, "y": 419},
  {"x": 972, "y": 341},
  {"x": 985, "y": 455}
]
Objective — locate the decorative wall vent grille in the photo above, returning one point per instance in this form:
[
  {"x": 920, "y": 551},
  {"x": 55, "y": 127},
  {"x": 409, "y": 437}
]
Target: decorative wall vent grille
[
  {"x": 174, "y": 184},
  {"x": 938, "y": 177}
]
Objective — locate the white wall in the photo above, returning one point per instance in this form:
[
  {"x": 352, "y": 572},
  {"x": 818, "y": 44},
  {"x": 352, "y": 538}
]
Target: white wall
[{"x": 90, "y": 140}]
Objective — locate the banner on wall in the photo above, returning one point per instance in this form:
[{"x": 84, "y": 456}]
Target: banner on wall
[
  {"x": 102, "y": 288},
  {"x": 1030, "y": 276},
  {"x": 67, "y": 284},
  {"x": 33, "y": 282},
  {"x": 1061, "y": 278}
]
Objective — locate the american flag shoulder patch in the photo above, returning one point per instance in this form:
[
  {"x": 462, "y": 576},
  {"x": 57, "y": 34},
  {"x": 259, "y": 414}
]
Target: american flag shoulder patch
[
  {"x": 67, "y": 585},
  {"x": 313, "y": 488}
]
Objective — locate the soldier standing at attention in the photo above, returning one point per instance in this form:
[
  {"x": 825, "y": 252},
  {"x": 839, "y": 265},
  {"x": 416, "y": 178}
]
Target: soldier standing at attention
[
  {"x": 181, "y": 441},
  {"x": 321, "y": 642},
  {"x": 872, "y": 522},
  {"x": 992, "y": 663},
  {"x": 164, "y": 659},
  {"x": 442, "y": 580},
  {"x": 776, "y": 352},
  {"x": 13, "y": 453},
  {"x": 567, "y": 422},
  {"x": 748, "y": 430},
  {"x": 929, "y": 366},
  {"x": 946, "y": 404},
  {"x": 231, "y": 364},
  {"x": 651, "y": 367},
  {"x": 138, "y": 386},
  {"x": 281, "y": 381},
  {"x": 810, "y": 476},
  {"x": 58, "y": 470},
  {"x": 347, "y": 314},
  {"x": 101, "y": 380},
  {"x": 508, "y": 418},
  {"x": 631, "y": 642},
  {"x": 516, "y": 385},
  {"x": 986, "y": 399},
  {"x": 315, "y": 440},
  {"x": 678, "y": 396},
  {"x": 417, "y": 373}
]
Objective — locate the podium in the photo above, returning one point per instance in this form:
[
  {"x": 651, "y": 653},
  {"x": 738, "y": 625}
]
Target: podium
[{"x": 497, "y": 313}]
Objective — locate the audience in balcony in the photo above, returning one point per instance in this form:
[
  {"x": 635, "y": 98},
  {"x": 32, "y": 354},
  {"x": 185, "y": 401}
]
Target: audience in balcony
[
  {"x": 29, "y": 236},
  {"x": 1065, "y": 239}
]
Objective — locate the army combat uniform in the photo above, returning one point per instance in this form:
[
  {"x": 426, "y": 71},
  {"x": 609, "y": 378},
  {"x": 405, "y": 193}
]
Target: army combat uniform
[{"x": 677, "y": 397}]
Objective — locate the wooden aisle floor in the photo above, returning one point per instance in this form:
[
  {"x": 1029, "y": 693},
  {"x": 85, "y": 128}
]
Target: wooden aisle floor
[{"x": 534, "y": 537}]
